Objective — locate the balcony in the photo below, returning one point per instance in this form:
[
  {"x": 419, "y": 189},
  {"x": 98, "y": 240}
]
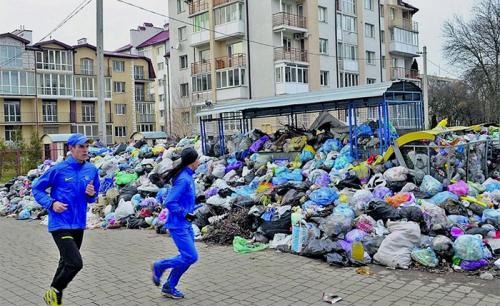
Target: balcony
[
  {"x": 145, "y": 98},
  {"x": 229, "y": 30},
  {"x": 403, "y": 49},
  {"x": 91, "y": 70},
  {"x": 198, "y": 6},
  {"x": 221, "y": 2},
  {"x": 399, "y": 73},
  {"x": 200, "y": 67},
  {"x": 290, "y": 55},
  {"x": 237, "y": 60},
  {"x": 291, "y": 22},
  {"x": 92, "y": 118},
  {"x": 145, "y": 118},
  {"x": 405, "y": 24},
  {"x": 200, "y": 38},
  {"x": 349, "y": 65}
]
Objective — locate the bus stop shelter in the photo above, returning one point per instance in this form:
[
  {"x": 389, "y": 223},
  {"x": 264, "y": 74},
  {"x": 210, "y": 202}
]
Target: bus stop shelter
[{"x": 380, "y": 96}]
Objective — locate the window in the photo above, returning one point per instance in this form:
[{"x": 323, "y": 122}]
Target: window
[
  {"x": 12, "y": 111},
  {"x": 51, "y": 130},
  {"x": 201, "y": 83},
  {"x": 230, "y": 78},
  {"x": 49, "y": 111},
  {"x": 182, "y": 33},
  {"x": 11, "y": 56},
  {"x": 120, "y": 109},
  {"x": 347, "y": 23},
  {"x": 322, "y": 14},
  {"x": 348, "y": 79},
  {"x": 181, "y": 6},
  {"x": 119, "y": 86},
  {"x": 393, "y": 13},
  {"x": 183, "y": 61},
  {"x": 382, "y": 36},
  {"x": 404, "y": 36},
  {"x": 120, "y": 131},
  {"x": 145, "y": 127},
  {"x": 88, "y": 112},
  {"x": 278, "y": 75},
  {"x": 295, "y": 74},
  {"x": 17, "y": 82},
  {"x": 161, "y": 66},
  {"x": 323, "y": 46},
  {"x": 138, "y": 72},
  {"x": 86, "y": 66},
  {"x": 12, "y": 132},
  {"x": 118, "y": 66},
  {"x": 139, "y": 92},
  {"x": 348, "y": 6},
  {"x": 159, "y": 51},
  {"x": 348, "y": 52},
  {"x": 228, "y": 13},
  {"x": 323, "y": 78},
  {"x": 369, "y": 30},
  {"x": 54, "y": 60},
  {"x": 55, "y": 84},
  {"x": 370, "y": 57},
  {"x": 394, "y": 62},
  {"x": 381, "y": 10},
  {"x": 369, "y": 5},
  {"x": 200, "y": 22},
  {"x": 184, "y": 89},
  {"x": 370, "y": 81},
  {"x": 383, "y": 62}
]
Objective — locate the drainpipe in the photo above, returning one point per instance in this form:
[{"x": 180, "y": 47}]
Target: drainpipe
[
  {"x": 249, "y": 66},
  {"x": 380, "y": 43},
  {"x": 336, "y": 45}
]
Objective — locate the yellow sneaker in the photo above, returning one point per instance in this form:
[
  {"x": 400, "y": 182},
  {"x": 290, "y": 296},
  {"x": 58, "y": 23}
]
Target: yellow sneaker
[{"x": 51, "y": 298}]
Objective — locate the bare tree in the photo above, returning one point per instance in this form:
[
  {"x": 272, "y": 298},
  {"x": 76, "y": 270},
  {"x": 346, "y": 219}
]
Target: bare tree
[
  {"x": 455, "y": 101},
  {"x": 475, "y": 45}
]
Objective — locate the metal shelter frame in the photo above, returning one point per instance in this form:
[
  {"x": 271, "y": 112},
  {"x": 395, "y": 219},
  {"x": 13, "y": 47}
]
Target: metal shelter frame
[{"x": 380, "y": 95}]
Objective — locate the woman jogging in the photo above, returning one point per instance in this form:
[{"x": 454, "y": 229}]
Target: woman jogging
[{"x": 180, "y": 203}]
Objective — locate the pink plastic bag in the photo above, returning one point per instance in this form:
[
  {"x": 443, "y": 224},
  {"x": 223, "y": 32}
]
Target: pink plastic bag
[{"x": 460, "y": 188}]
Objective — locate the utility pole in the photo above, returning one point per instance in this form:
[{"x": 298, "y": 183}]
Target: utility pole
[
  {"x": 101, "y": 88},
  {"x": 426, "y": 91}
]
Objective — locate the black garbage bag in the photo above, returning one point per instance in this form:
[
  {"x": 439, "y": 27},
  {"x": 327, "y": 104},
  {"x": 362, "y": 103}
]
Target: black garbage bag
[
  {"x": 395, "y": 186},
  {"x": 224, "y": 193},
  {"x": 120, "y": 149},
  {"x": 455, "y": 208},
  {"x": 127, "y": 192},
  {"x": 372, "y": 243},
  {"x": 133, "y": 222},
  {"x": 317, "y": 248},
  {"x": 349, "y": 182},
  {"x": 202, "y": 214},
  {"x": 476, "y": 209},
  {"x": 292, "y": 197},
  {"x": 443, "y": 246},
  {"x": 282, "y": 225},
  {"x": 284, "y": 188},
  {"x": 380, "y": 210},
  {"x": 139, "y": 144},
  {"x": 245, "y": 202},
  {"x": 340, "y": 259},
  {"x": 412, "y": 213},
  {"x": 478, "y": 231}
]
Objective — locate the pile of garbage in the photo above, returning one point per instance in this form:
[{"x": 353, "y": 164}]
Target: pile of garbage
[{"x": 311, "y": 198}]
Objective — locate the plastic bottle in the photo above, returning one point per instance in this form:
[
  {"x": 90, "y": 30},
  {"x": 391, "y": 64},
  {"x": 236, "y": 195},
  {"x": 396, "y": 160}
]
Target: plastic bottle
[{"x": 357, "y": 251}]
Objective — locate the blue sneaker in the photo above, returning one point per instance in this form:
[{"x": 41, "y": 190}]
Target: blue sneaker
[
  {"x": 171, "y": 292},
  {"x": 154, "y": 276}
]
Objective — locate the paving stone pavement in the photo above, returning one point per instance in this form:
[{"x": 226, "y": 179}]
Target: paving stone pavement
[{"x": 116, "y": 272}]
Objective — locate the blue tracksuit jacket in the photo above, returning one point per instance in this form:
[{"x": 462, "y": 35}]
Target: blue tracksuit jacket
[
  {"x": 67, "y": 182},
  {"x": 181, "y": 200}
]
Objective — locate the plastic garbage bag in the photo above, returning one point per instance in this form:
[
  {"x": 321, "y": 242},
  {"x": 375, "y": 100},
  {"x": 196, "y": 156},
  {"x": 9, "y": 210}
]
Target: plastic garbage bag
[
  {"x": 256, "y": 146},
  {"x": 458, "y": 220},
  {"x": 412, "y": 213},
  {"x": 281, "y": 225},
  {"x": 372, "y": 243},
  {"x": 334, "y": 225},
  {"x": 331, "y": 145},
  {"x": 219, "y": 170},
  {"x": 123, "y": 178},
  {"x": 469, "y": 247},
  {"x": 241, "y": 245},
  {"x": 355, "y": 235},
  {"x": 443, "y": 246},
  {"x": 471, "y": 265},
  {"x": 380, "y": 210},
  {"x": 361, "y": 199},
  {"x": 323, "y": 196},
  {"x": 442, "y": 197},
  {"x": 491, "y": 216},
  {"x": 425, "y": 257},
  {"x": 365, "y": 223},
  {"x": 400, "y": 198},
  {"x": 460, "y": 188},
  {"x": 280, "y": 240},
  {"x": 362, "y": 172},
  {"x": 320, "y": 247},
  {"x": 342, "y": 161},
  {"x": 340, "y": 259},
  {"x": 492, "y": 186},
  {"x": 395, "y": 250},
  {"x": 396, "y": 174},
  {"x": 431, "y": 186},
  {"x": 434, "y": 216},
  {"x": 344, "y": 210},
  {"x": 124, "y": 209},
  {"x": 380, "y": 192}
]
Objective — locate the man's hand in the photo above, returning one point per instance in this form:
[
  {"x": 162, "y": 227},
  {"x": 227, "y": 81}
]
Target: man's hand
[
  {"x": 90, "y": 189},
  {"x": 190, "y": 217},
  {"x": 59, "y": 207}
]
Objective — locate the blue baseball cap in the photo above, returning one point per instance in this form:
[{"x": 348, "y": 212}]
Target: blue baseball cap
[{"x": 78, "y": 139}]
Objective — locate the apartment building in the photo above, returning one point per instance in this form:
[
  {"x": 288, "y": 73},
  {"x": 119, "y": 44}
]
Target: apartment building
[
  {"x": 228, "y": 50},
  {"x": 51, "y": 88},
  {"x": 153, "y": 42}
]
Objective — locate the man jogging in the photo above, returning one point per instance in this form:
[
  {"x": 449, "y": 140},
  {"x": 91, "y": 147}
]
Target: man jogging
[{"x": 73, "y": 183}]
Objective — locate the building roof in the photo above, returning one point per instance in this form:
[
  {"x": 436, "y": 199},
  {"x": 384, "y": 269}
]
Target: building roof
[
  {"x": 52, "y": 42},
  {"x": 57, "y": 137},
  {"x": 157, "y": 39},
  {"x": 364, "y": 94},
  {"x": 408, "y": 6},
  {"x": 124, "y": 48},
  {"x": 150, "y": 135},
  {"x": 13, "y": 36}
]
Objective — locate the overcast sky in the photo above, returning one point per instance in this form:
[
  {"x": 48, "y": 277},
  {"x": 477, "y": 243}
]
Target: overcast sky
[{"x": 43, "y": 16}]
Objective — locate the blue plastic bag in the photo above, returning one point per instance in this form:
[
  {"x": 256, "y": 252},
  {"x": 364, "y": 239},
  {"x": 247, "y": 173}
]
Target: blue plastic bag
[
  {"x": 323, "y": 196},
  {"x": 491, "y": 215},
  {"x": 331, "y": 145},
  {"x": 431, "y": 186},
  {"x": 493, "y": 186},
  {"x": 344, "y": 210},
  {"x": 442, "y": 197},
  {"x": 458, "y": 220},
  {"x": 342, "y": 161},
  {"x": 363, "y": 130},
  {"x": 469, "y": 247}
]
